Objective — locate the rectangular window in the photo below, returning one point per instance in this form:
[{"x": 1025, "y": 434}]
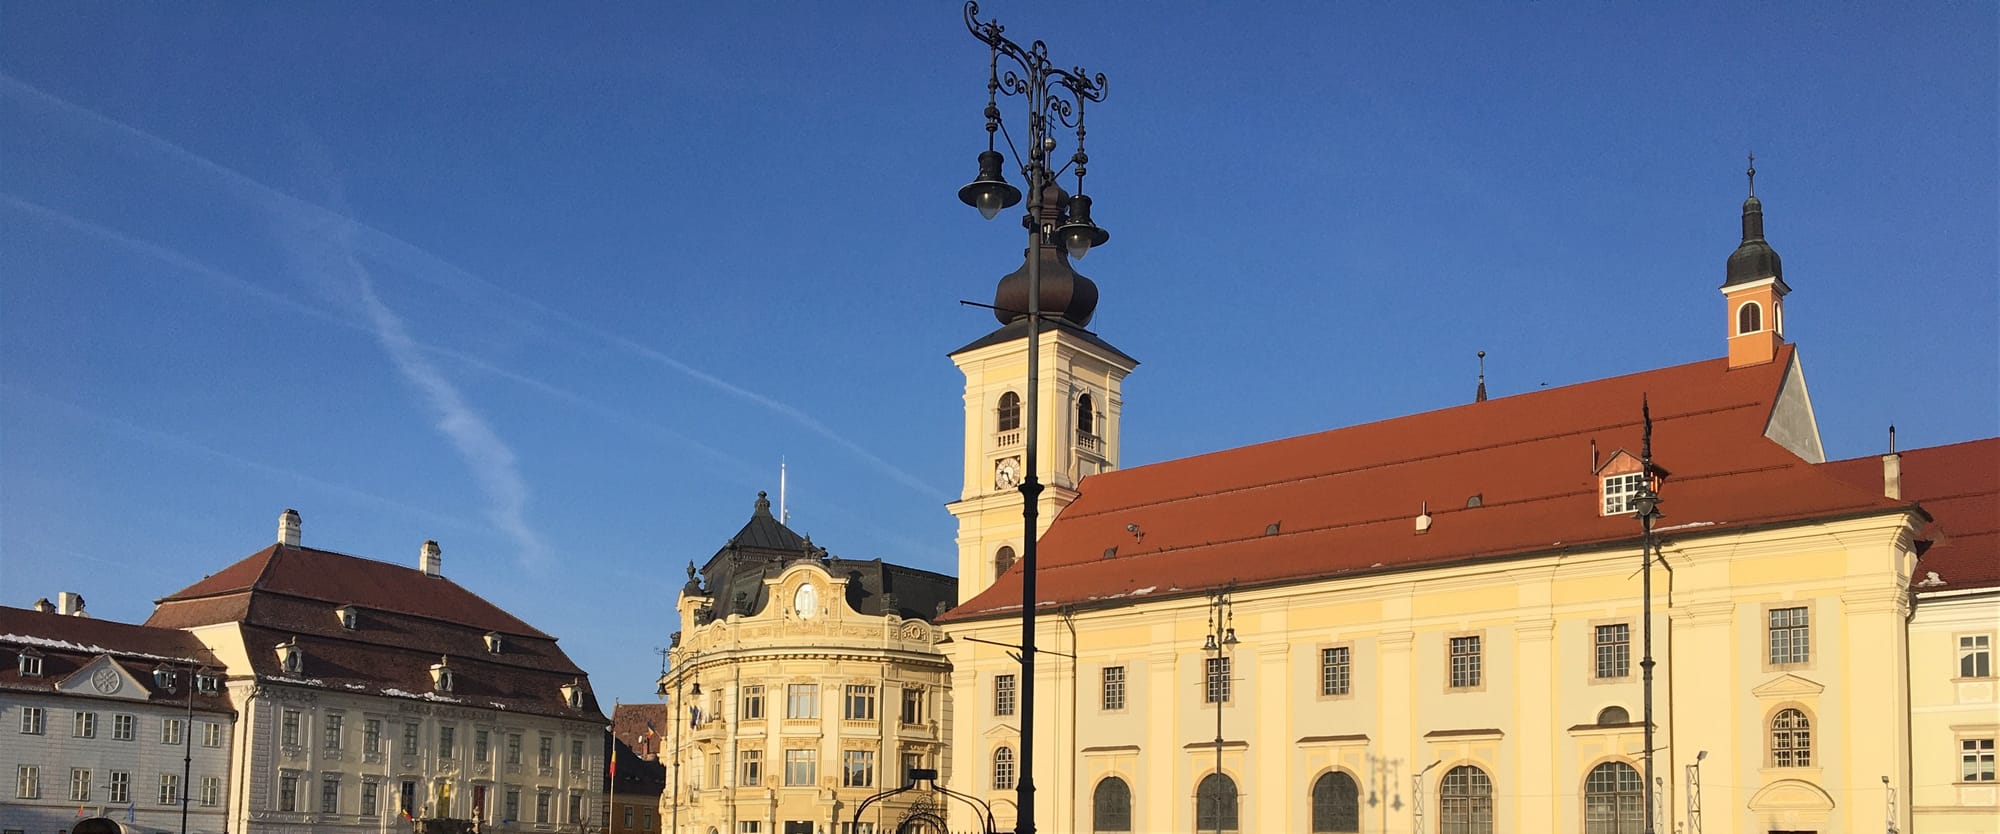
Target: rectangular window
[
  {"x": 628, "y": 816},
  {"x": 1618, "y": 492},
  {"x": 79, "y": 784},
  {"x": 753, "y": 703},
  {"x": 411, "y": 734},
  {"x": 545, "y": 756},
  {"x": 1114, "y": 687},
  {"x": 211, "y": 791},
  {"x": 857, "y": 769},
  {"x": 329, "y": 795},
  {"x": 120, "y": 789},
  {"x": 211, "y": 734},
  {"x": 1465, "y": 662},
  {"x": 171, "y": 730},
  {"x": 576, "y": 808},
  {"x": 481, "y": 739},
  {"x": 288, "y": 792},
  {"x": 802, "y": 700},
  {"x": 513, "y": 805},
  {"x": 749, "y": 827},
  {"x": 288, "y": 733},
  {"x": 447, "y": 743},
  {"x": 31, "y": 665},
  {"x": 170, "y": 789},
  {"x": 1003, "y": 694},
  {"x": 714, "y": 770},
  {"x": 370, "y": 795},
  {"x": 911, "y": 761},
  {"x": 576, "y": 761},
  {"x": 513, "y": 748},
  {"x": 1614, "y": 651},
  {"x": 32, "y": 720},
  {"x": 1791, "y": 636},
  {"x": 859, "y": 704},
  {"x": 541, "y": 806},
  {"x": 330, "y": 735},
  {"x": 1335, "y": 676},
  {"x": 1975, "y": 760},
  {"x": 28, "y": 782},
  {"x": 753, "y": 767},
  {"x": 121, "y": 727},
  {"x": 1217, "y": 691},
  {"x": 407, "y": 795},
  {"x": 852, "y": 827},
  {"x": 913, "y": 705},
  {"x": 1975, "y": 656},
  {"x": 371, "y": 736},
  {"x": 801, "y": 768},
  {"x": 83, "y": 725}
]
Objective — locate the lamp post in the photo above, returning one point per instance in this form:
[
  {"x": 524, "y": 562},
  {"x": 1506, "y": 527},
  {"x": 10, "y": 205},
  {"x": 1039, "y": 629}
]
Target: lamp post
[
  {"x": 679, "y": 699},
  {"x": 1382, "y": 769},
  {"x": 1221, "y": 637},
  {"x": 163, "y": 677},
  {"x": 1051, "y": 93},
  {"x": 1646, "y": 508}
]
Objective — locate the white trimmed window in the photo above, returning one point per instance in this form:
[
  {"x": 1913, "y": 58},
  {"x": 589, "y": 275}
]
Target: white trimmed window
[
  {"x": 33, "y": 720},
  {"x": 753, "y": 703},
  {"x": 1465, "y": 662},
  {"x": 121, "y": 727},
  {"x": 1003, "y": 694},
  {"x": 1975, "y": 656},
  {"x": 1791, "y": 739},
  {"x": 1217, "y": 690},
  {"x": 1335, "y": 673},
  {"x": 170, "y": 789},
  {"x": 1003, "y": 769},
  {"x": 83, "y": 725},
  {"x": 121, "y": 787},
  {"x": 1614, "y": 651},
  {"x": 1114, "y": 687},
  {"x": 1975, "y": 760},
  {"x": 171, "y": 730},
  {"x": 1619, "y": 490},
  {"x": 211, "y": 791},
  {"x": 801, "y": 768},
  {"x": 1790, "y": 635},
  {"x": 28, "y": 782},
  {"x": 802, "y": 700}
]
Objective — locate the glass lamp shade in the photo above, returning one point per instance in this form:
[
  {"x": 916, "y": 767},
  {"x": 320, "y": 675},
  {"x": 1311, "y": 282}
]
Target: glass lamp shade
[
  {"x": 1077, "y": 233},
  {"x": 991, "y": 192},
  {"x": 1208, "y": 645}
]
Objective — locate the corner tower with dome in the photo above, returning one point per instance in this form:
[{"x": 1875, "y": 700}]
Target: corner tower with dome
[{"x": 1081, "y": 403}]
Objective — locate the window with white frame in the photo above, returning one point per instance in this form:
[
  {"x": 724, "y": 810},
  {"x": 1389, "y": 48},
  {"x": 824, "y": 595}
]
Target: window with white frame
[
  {"x": 170, "y": 789},
  {"x": 330, "y": 725},
  {"x": 371, "y": 735},
  {"x": 30, "y": 664},
  {"x": 857, "y": 769},
  {"x": 753, "y": 703},
  {"x": 288, "y": 791},
  {"x": 1003, "y": 694},
  {"x": 1335, "y": 673},
  {"x": 1791, "y": 739},
  {"x": 329, "y": 795},
  {"x": 802, "y": 700},
  {"x": 1975, "y": 656},
  {"x": 1975, "y": 760},
  {"x": 171, "y": 730},
  {"x": 1790, "y": 632},
  {"x": 1114, "y": 687},
  {"x": 1465, "y": 801},
  {"x": 859, "y": 703},
  {"x": 288, "y": 729},
  {"x": 1613, "y": 799},
  {"x": 1003, "y": 769},
  {"x": 1217, "y": 690},
  {"x": 1465, "y": 662},
  {"x": 79, "y": 784},
  {"x": 28, "y": 782},
  {"x": 83, "y": 725},
  {"x": 119, "y": 789},
  {"x": 1619, "y": 491},
  {"x": 1614, "y": 651},
  {"x": 211, "y": 734},
  {"x": 749, "y": 827},
  {"x": 121, "y": 727},
  {"x": 753, "y": 767},
  {"x": 801, "y": 767},
  {"x": 913, "y": 705},
  {"x": 211, "y": 791},
  {"x": 33, "y": 721}
]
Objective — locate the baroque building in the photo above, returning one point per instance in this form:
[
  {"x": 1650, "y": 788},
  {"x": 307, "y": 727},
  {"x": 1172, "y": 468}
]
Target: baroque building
[
  {"x": 1436, "y": 623},
  {"x": 110, "y": 727},
  {"x": 800, "y": 685},
  {"x": 372, "y": 697}
]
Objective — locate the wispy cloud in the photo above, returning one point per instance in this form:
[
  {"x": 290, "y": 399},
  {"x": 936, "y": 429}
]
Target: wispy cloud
[{"x": 405, "y": 258}]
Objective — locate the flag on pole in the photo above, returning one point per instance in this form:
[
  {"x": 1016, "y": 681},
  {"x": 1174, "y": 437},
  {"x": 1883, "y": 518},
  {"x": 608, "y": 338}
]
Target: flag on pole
[
  {"x": 131, "y": 813},
  {"x": 694, "y": 716},
  {"x": 614, "y": 759}
]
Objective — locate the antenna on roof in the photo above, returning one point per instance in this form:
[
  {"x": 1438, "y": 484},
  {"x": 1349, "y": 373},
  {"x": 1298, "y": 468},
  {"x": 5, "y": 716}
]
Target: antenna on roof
[
  {"x": 1481, "y": 396},
  {"x": 784, "y": 510}
]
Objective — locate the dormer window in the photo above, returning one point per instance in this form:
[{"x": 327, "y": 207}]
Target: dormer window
[
  {"x": 495, "y": 642},
  {"x": 291, "y": 658},
  {"x": 349, "y": 616},
  {"x": 441, "y": 675},
  {"x": 207, "y": 684},
  {"x": 1619, "y": 491},
  {"x": 1749, "y": 318},
  {"x": 1010, "y": 411},
  {"x": 31, "y": 664},
  {"x": 572, "y": 693}
]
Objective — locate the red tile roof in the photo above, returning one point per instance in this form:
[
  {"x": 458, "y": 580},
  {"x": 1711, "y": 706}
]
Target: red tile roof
[
  {"x": 67, "y": 644},
  {"x": 1345, "y": 501},
  {"x": 1959, "y": 485}
]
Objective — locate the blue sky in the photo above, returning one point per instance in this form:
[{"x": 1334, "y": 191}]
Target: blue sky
[{"x": 559, "y": 286}]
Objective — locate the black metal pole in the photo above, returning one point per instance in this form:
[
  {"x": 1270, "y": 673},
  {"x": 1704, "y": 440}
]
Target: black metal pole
[
  {"x": 1031, "y": 486},
  {"x": 674, "y": 716},
  {"x": 187, "y": 752},
  {"x": 1647, "y": 503},
  {"x": 1216, "y": 801}
]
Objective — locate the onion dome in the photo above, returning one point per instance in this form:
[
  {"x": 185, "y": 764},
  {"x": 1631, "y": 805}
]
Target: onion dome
[
  {"x": 1064, "y": 292},
  {"x": 1754, "y": 259}
]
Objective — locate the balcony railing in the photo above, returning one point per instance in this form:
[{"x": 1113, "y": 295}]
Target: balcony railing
[
  {"x": 1087, "y": 442},
  {"x": 1007, "y": 439}
]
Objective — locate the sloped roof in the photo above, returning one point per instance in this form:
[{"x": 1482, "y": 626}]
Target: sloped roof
[
  {"x": 1959, "y": 485},
  {"x": 734, "y": 576},
  {"x": 641, "y": 727},
  {"x": 1345, "y": 501},
  {"x": 66, "y": 644},
  {"x": 405, "y": 622}
]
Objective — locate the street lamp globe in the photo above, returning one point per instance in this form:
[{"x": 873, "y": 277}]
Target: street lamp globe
[
  {"x": 990, "y": 193},
  {"x": 1077, "y": 233}
]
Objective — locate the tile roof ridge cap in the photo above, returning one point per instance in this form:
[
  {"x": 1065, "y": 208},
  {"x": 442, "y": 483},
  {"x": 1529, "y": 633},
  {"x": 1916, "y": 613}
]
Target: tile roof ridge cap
[{"x": 532, "y": 632}]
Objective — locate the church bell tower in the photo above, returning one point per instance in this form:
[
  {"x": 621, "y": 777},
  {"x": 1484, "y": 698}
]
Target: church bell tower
[{"x": 1754, "y": 289}]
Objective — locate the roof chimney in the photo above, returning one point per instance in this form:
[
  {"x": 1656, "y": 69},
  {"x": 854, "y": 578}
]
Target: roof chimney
[
  {"x": 69, "y": 604},
  {"x": 288, "y": 528},
  {"x": 45, "y": 606},
  {"x": 1892, "y": 470},
  {"x": 432, "y": 560}
]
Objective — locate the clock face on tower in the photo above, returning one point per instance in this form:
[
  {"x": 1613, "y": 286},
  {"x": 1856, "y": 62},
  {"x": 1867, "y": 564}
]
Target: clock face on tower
[
  {"x": 806, "y": 602},
  {"x": 1007, "y": 473}
]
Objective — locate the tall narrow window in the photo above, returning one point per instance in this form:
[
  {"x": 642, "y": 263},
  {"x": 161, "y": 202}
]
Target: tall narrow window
[
  {"x": 1010, "y": 411},
  {"x": 1613, "y": 800},
  {"x": 1111, "y": 805},
  {"x": 121, "y": 787},
  {"x": 1791, "y": 739},
  {"x": 1217, "y": 691},
  {"x": 1749, "y": 318},
  {"x": 1791, "y": 636},
  {"x": 329, "y": 795},
  {"x": 913, "y": 705},
  {"x": 1334, "y": 673},
  {"x": 1465, "y": 802},
  {"x": 1614, "y": 651},
  {"x": 28, "y": 782},
  {"x": 79, "y": 784},
  {"x": 170, "y": 789},
  {"x": 83, "y": 725},
  {"x": 1336, "y": 803},
  {"x": 859, "y": 703},
  {"x": 753, "y": 703},
  {"x": 802, "y": 700},
  {"x": 288, "y": 729},
  {"x": 330, "y": 727},
  {"x": 1975, "y": 760},
  {"x": 1003, "y": 769},
  {"x": 1975, "y": 656},
  {"x": 1465, "y": 662},
  {"x": 1003, "y": 559},
  {"x": 1086, "y": 417},
  {"x": 753, "y": 767},
  {"x": 1114, "y": 687},
  {"x": 1215, "y": 804},
  {"x": 1003, "y": 694},
  {"x": 370, "y": 794}
]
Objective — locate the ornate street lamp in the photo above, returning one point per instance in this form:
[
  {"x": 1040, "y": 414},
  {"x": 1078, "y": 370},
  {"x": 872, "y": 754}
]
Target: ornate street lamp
[
  {"x": 680, "y": 699},
  {"x": 164, "y": 679},
  {"x": 1646, "y": 508},
  {"x": 1051, "y": 93},
  {"x": 1221, "y": 638}
]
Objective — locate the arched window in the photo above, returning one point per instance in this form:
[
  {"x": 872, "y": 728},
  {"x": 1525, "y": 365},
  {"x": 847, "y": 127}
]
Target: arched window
[
  {"x": 1613, "y": 802},
  {"x": 1613, "y": 715},
  {"x": 1215, "y": 804},
  {"x": 1002, "y": 560},
  {"x": 1791, "y": 739},
  {"x": 1336, "y": 803},
  {"x": 1010, "y": 411},
  {"x": 1749, "y": 318},
  {"x": 1111, "y": 806},
  {"x": 1086, "y": 417},
  {"x": 1003, "y": 769},
  {"x": 1465, "y": 802}
]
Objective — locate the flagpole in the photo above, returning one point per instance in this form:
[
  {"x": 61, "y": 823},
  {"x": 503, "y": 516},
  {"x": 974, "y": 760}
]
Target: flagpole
[{"x": 611, "y": 808}]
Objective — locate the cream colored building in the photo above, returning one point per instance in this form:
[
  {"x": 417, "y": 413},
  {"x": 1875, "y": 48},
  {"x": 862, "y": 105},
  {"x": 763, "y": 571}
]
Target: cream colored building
[
  {"x": 801, "y": 685},
  {"x": 1439, "y": 617}
]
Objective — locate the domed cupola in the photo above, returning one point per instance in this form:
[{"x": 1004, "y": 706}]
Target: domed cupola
[
  {"x": 1064, "y": 292},
  {"x": 1754, "y": 289},
  {"x": 1754, "y": 259}
]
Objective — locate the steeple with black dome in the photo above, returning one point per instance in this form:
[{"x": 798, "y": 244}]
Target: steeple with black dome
[{"x": 1753, "y": 288}]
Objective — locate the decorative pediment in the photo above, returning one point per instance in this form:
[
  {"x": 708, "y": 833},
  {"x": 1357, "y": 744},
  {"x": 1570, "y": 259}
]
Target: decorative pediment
[
  {"x": 105, "y": 678},
  {"x": 1788, "y": 686},
  {"x": 1003, "y": 731},
  {"x": 1791, "y": 795}
]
